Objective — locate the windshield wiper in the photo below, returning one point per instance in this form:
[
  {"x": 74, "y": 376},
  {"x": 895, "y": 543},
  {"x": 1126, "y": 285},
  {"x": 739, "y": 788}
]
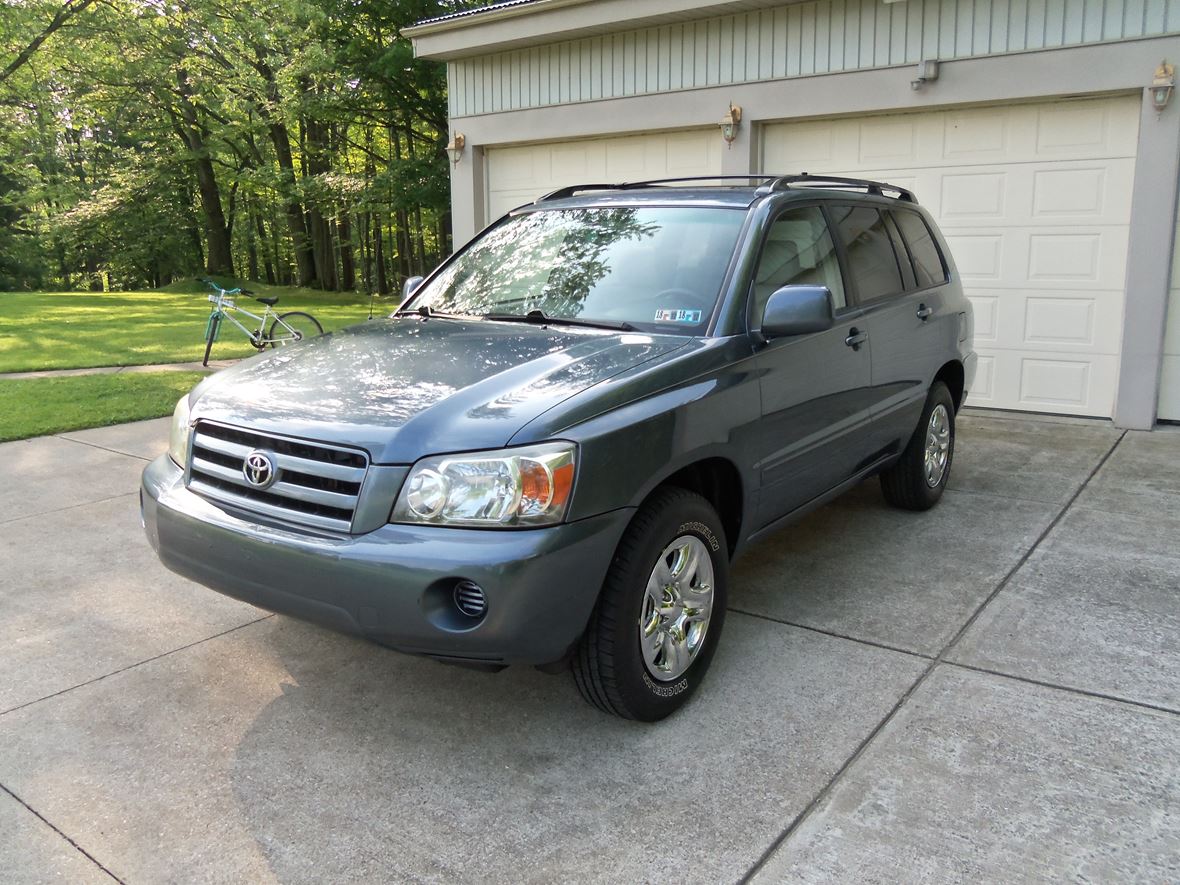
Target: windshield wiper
[
  {"x": 427, "y": 312},
  {"x": 539, "y": 317}
]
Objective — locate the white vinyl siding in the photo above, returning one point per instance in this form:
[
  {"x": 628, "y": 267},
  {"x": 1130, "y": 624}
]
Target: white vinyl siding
[
  {"x": 520, "y": 174},
  {"x": 791, "y": 41},
  {"x": 1034, "y": 202}
]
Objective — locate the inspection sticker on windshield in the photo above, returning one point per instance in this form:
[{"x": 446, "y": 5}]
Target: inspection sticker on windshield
[{"x": 678, "y": 316}]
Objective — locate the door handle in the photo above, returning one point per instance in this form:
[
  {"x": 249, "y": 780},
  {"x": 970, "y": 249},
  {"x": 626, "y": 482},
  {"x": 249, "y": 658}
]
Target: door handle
[
  {"x": 856, "y": 338},
  {"x": 924, "y": 312}
]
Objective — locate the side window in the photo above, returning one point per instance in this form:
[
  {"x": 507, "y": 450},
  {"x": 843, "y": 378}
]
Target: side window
[
  {"x": 928, "y": 265},
  {"x": 798, "y": 251},
  {"x": 872, "y": 263}
]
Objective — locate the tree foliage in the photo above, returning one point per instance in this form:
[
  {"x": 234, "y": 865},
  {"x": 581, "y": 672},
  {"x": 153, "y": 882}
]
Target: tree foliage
[{"x": 292, "y": 141}]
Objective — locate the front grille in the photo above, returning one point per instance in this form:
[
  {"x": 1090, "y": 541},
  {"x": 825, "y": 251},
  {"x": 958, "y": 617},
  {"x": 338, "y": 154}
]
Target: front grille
[{"x": 314, "y": 484}]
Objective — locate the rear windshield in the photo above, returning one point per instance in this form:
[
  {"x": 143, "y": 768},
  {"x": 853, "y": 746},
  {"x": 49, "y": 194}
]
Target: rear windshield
[{"x": 657, "y": 269}]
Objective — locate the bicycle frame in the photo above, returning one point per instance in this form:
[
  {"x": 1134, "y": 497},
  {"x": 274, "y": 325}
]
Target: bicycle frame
[{"x": 226, "y": 307}]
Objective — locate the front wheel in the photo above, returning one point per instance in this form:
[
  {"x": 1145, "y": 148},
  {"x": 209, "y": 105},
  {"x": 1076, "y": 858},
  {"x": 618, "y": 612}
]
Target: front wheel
[
  {"x": 659, "y": 617},
  {"x": 917, "y": 480},
  {"x": 291, "y": 327},
  {"x": 211, "y": 331}
]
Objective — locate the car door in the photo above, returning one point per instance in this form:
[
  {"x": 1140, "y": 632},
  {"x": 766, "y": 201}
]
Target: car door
[
  {"x": 815, "y": 387},
  {"x": 895, "y": 317},
  {"x": 912, "y": 332}
]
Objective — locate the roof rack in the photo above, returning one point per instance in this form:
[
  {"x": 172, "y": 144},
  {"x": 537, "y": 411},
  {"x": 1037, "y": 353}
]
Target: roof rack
[
  {"x": 767, "y": 184},
  {"x": 876, "y": 188},
  {"x": 563, "y": 192}
]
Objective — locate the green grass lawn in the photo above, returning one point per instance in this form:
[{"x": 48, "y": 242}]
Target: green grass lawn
[
  {"x": 37, "y": 406},
  {"x": 69, "y": 330}
]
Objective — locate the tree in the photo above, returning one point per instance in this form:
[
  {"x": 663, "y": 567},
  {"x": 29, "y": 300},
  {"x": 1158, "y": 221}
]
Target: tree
[{"x": 148, "y": 139}]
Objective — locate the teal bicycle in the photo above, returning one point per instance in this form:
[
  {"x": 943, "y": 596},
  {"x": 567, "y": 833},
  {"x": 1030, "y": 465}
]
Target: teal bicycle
[{"x": 285, "y": 328}]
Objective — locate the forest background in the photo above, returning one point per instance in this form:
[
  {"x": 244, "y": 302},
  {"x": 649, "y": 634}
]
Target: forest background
[{"x": 293, "y": 142}]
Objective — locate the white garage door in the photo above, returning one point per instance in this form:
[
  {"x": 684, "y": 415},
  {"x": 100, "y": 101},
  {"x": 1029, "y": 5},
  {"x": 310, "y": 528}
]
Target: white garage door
[
  {"x": 1034, "y": 201},
  {"x": 519, "y": 174}
]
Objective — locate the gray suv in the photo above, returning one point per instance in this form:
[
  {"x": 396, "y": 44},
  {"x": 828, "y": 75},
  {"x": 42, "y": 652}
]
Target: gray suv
[{"x": 553, "y": 451}]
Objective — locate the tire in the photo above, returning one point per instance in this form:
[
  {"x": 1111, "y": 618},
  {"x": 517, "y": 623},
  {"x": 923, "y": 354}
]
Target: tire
[
  {"x": 304, "y": 324},
  {"x": 210, "y": 337},
  {"x": 610, "y": 666},
  {"x": 916, "y": 482}
]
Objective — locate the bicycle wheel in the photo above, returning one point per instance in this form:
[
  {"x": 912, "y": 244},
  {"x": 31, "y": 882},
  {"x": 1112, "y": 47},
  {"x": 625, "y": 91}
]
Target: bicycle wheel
[
  {"x": 211, "y": 336},
  {"x": 291, "y": 327}
]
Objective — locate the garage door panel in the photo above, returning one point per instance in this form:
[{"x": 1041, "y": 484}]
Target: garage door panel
[
  {"x": 1169, "y": 404},
  {"x": 1065, "y": 322},
  {"x": 1034, "y": 202},
  {"x": 1076, "y": 192},
  {"x": 520, "y": 173}
]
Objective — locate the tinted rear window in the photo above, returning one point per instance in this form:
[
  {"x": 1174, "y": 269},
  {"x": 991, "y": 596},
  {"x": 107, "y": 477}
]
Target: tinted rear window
[
  {"x": 872, "y": 263},
  {"x": 928, "y": 267}
]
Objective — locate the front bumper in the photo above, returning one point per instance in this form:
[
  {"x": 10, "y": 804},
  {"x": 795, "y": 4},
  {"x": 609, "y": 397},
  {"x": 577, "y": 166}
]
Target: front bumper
[{"x": 394, "y": 585}]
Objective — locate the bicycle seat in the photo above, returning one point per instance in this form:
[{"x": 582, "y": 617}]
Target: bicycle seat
[{"x": 272, "y": 300}]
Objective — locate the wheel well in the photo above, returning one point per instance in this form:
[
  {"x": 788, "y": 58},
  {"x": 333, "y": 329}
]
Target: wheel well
[
  {"x": 718, "y": 482},
  {"x": 952, "y": 376}
]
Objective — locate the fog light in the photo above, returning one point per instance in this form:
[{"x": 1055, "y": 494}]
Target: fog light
[{"x": 470, "y": 599}]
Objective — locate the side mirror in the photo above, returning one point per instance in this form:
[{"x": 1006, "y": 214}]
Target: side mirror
[
  {"x": 410, "y": 285},
  {"x": 797, "y": 310}
]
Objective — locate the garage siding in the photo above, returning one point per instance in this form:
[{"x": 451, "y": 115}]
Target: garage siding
[
  {"x": 791, "y": 41},
  {"x": 1034, "y": 201}
]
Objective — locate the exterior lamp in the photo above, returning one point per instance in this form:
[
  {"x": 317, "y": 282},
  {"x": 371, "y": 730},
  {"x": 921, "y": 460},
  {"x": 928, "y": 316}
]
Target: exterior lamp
[
  {"x": 730, "y": 123},
  {"x": 455, "y": 147},
  {"x": 927, "y": 72},
  {"x": 1162, "y": 84}
]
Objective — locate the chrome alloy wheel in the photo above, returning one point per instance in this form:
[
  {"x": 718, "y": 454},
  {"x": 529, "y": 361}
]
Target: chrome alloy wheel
[
  {"x": 677, "y": 604},
  {"x": 938, "y": 445}
]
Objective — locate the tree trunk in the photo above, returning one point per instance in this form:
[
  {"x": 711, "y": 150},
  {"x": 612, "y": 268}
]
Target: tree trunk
[
  {"x": 268, "y": 258},
  {"x": 300, "y": 245},
  {"x": 219, "y": 257},
  {"x": 251, "y": 245},
  {"x": 347, "y": 257},
  {"x": 379, "y": 253}
]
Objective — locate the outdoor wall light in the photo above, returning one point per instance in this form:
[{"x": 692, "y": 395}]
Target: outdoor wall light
[
  {"x": 1162, "y": 84},
  {"x": 927, "y": 72},
  {"x": 455, "y": 147},
  {"x": 730, "y": 123}
]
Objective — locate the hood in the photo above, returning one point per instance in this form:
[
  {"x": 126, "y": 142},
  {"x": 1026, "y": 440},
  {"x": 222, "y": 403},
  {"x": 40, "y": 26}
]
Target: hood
[{"x": 408, "y": 387}]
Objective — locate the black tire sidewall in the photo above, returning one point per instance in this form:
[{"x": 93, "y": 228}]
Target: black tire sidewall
[
  {"x": 643, "y": 696},
  {"x": 939, "y": 395}
]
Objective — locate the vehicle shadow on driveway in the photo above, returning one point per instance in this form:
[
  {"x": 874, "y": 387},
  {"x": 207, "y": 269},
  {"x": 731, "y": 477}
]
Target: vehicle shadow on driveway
[{"x": 374, "y": 764}]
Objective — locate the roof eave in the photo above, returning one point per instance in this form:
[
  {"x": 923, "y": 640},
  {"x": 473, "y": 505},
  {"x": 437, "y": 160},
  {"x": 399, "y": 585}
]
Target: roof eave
[{"x": 499, "y": 28}]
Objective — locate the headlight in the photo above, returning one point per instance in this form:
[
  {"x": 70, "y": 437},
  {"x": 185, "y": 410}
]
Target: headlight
[
  {"x": 529, "y": 486},
  {"x": 178, "y": 438}
]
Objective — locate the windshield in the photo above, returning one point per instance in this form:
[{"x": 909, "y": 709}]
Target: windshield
[{"x": 654, "y": 269}]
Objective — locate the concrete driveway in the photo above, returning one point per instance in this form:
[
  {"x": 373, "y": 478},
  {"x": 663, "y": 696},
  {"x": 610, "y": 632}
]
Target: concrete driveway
[{"x": 990, "y": 691}]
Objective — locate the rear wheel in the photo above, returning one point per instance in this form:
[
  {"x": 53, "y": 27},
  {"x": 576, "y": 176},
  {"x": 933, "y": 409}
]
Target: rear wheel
[
  {"x": 291, "y": 327},
  {"x": 917, "y": 480},
  {"x": 659, "y": 617}
]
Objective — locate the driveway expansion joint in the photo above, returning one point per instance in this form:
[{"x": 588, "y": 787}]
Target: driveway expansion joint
[
  {"x": 163, "y": 654},
  {"x": 33, "y": 811},
  {"x": 82, "y": 442},
  {"x": 834, "y": 634},
  {"x": 827, "y": 789},
  {"x": 64, "y": 509},
  {"x": 1068, "y": 689}
]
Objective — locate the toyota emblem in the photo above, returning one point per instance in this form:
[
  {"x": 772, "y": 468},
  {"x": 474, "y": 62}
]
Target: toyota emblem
[{"x": 259, "y": 469}]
